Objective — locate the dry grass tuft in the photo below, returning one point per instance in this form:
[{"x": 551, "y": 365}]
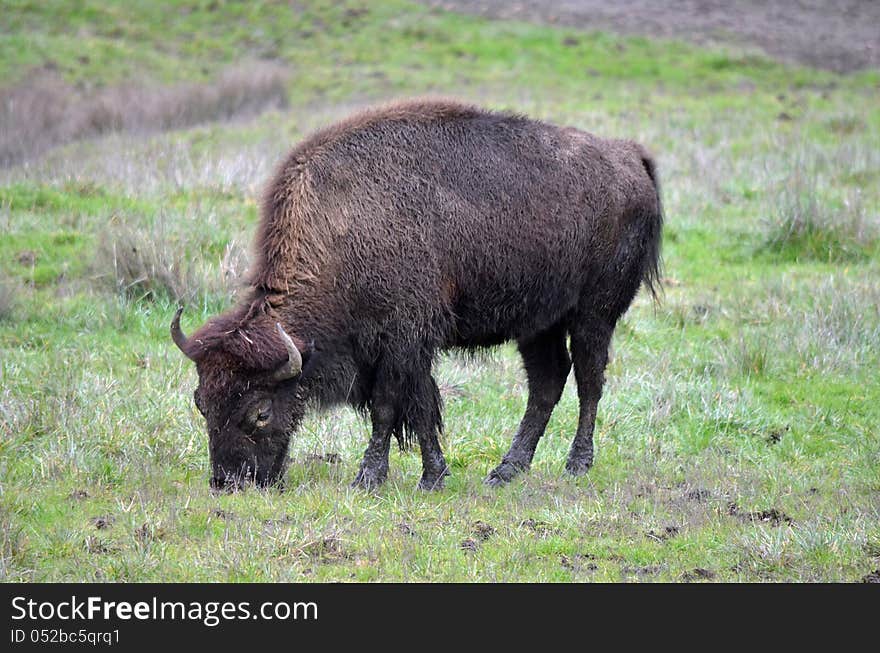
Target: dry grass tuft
[
  {"x": 155, "y": 262},
  {"x": 46, "y": 111},
  {"x": 807, "y": 226},
  {"x": 145, "y": 266}
]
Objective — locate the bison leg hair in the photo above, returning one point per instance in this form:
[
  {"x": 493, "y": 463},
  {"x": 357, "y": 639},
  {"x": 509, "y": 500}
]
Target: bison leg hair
[
  {"x": 425, "y": 419},
  {"x": 407, "y": 402},
  {"x": 385, "y": 414},
  {"x": 589, "y": 351},
  {"x": 547, "y": 365},
  {"x": 420, "y": 400}
]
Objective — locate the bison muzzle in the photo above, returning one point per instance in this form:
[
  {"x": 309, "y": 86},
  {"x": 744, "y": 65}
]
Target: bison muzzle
[{"x": 410, "y": 229}]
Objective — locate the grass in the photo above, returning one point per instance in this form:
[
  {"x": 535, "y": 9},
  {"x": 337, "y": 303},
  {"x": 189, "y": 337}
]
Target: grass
[
  {"x": 154, "y": 262},
  {"x": 808, "y": 226},
  {"x": 737, "y": 439},
  {"x": 7, "y": 298}
]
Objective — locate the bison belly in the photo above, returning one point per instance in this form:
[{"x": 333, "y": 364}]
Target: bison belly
[{"x": 513, "y": 295}]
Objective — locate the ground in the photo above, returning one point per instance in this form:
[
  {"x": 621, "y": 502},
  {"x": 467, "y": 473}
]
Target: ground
[
  {"x": 737, "y": 439},
  {"x": 842, "y": 37}
]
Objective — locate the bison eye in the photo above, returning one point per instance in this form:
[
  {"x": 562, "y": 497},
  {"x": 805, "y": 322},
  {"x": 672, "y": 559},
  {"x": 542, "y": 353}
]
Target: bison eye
[
  {"x": 263, "y": 418},
  {"x": 260, "y": 414}
]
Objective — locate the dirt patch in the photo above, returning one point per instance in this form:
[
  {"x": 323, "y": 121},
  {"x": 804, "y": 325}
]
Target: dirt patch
[
  {"x": 697, "y": 574},
  {"x": 469, "y": 545},
  {"x": 667, "y": 532},
  {"x": 770, "y": 516},
  {"x": 699, "y": 495},
  {"x": 838, "y": 36},
  {"x": 147, "y": 532},
  {"x": 26, "y": 258},
  {"x": 105, "y": 521},
  {"x": 326, "y": 549},
  {"x": 96, "y": 546},
  {"x": 540, "y": 527},
  {"x": 578, "y": 562},
  {"x": 280, "y": 522},
  {"x": 873, "y": 577},
  {"x": 647, "y": 570},
  {"x": 771, "y": 435},
  {"x": 482, "y": 531},
  {"x": 775, "y": 435}
]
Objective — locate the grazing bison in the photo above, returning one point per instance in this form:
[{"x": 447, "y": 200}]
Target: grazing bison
[{"x": 409, "y": 229}]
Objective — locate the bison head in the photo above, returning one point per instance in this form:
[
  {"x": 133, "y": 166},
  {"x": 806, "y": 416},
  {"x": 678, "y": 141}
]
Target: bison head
[{"x": 250, "y": 410}]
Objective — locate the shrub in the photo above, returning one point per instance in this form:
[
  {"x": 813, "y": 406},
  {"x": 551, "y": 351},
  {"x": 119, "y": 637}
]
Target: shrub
[{"x": 46, "y": 111}]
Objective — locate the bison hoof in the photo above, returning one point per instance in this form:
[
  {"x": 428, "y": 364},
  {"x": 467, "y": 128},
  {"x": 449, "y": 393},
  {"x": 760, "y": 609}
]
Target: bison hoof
[
  {"x": 369, "y": 479},
  {"x": 580, "y": 466},
  {"x": 503, "y": 474},
  {"x": 433, "y": 482}
]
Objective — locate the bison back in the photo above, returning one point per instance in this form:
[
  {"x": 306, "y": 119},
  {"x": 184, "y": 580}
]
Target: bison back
[{"x": 476, "y": 229}]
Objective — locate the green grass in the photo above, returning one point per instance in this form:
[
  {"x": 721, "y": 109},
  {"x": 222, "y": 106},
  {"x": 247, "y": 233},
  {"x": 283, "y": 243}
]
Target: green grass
[{"x": 738, "y": 436}]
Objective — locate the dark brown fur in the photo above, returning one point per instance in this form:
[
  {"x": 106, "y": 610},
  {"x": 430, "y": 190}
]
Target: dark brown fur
[{"x": 421, "y": 226}]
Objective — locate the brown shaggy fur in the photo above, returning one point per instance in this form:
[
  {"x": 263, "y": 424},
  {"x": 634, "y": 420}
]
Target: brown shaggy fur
[{"x": 425, "y": 225}]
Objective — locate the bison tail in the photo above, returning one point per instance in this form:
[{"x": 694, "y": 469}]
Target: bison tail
[{"x": 652, "y": 263}]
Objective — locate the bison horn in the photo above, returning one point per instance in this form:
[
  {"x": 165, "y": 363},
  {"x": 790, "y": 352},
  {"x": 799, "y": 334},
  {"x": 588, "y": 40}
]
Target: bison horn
[
  {"x": 293, "y": 365},
  {"x": 177, "y": 334}
]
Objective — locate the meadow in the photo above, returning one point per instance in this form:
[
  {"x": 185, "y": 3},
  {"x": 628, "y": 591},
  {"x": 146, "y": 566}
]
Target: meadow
[{"x": 738, "y": 438}]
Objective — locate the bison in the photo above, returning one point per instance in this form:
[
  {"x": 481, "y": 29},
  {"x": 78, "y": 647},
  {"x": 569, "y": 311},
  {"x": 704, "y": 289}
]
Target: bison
[{"x": 412, "y": 228}]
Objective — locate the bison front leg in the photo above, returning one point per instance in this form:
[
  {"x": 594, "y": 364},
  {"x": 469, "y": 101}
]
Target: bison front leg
[
  {"x": 374, "y": 466},
  {"x": 421, "y": 411},
  {"x": 547, "y": 365},
  {"x": 404, "y": 401},
  {"x": 434, "y": 468}
]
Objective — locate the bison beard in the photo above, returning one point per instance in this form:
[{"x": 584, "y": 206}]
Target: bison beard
[{"x": 413, "y": 228}]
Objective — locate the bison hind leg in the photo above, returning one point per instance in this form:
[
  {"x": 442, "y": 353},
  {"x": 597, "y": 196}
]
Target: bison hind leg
[
  {"x": 547, "y": 365},
  {"x": 589, "y": 350}
]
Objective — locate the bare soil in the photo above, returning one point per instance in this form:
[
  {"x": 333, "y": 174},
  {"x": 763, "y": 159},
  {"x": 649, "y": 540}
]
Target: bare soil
[{"x": 840, "y": 36}]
